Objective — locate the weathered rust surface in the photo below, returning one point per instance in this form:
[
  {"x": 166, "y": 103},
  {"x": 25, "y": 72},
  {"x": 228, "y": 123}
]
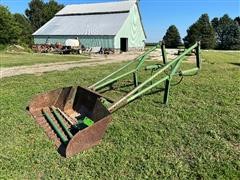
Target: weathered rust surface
[
  {"x": 87, "y": 138},
  {"x": 85, "y": 103}
]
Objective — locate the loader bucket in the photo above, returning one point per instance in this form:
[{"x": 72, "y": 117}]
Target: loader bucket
[{"x": 59, "y": 112}]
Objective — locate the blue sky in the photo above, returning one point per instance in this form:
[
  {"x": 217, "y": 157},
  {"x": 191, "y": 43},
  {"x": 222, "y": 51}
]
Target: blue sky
[{"x": 158, "y": 15}]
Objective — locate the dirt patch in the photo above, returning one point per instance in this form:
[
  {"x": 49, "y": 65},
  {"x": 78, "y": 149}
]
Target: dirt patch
[
  {"x": 95, "y": 60},
  {"x": 41, "y": 68}
]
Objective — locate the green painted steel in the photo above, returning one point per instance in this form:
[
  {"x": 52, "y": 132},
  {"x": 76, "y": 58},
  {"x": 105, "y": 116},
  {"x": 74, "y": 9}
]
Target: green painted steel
[
  {"x": 135, "y": 79},
  {"x": 198, "y": 52},
  {"x": 176, "y": 63},
  {"x": 60, "y": 120},
  {"x": 180, "y": 58},
  {"x": 189, "y": 72},
  {"x": 146, "y": 89},
  {"x": 139, "y": 90},
  {"x": 87, "y": 41},
  {"x": 153, "y": 67},
  {"x": 110, "y": 75},
  {"x": 163, "y": 50},
  {"x": 166, "y": 91},
  {"x": 124, "y": 99},
  {"x": 88, "y": 122},
  {"x": 105, "y": 102},
  {"x": 133, "y": 30},
  {"x": 111, "y": 79},
  {"x": 55, "y": 128},
  {"x": 147, "y": 53}
]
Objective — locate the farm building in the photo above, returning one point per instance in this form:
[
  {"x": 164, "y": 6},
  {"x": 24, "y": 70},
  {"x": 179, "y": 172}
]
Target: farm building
[{"x": 115, "y": 25}]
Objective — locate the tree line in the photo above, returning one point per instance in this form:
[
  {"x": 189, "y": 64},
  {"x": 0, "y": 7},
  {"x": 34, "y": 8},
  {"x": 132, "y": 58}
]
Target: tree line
[
  {"x": 18, "y": 28},
  {"x": 219, "y": 33}
]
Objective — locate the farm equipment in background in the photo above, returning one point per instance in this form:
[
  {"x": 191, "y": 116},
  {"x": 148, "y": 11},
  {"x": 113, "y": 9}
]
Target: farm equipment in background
[
  {"x": 71, "y": 46},
  {"x": 76, "y": 118}
]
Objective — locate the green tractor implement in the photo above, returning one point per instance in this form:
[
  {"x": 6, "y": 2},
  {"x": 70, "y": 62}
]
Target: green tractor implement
[{"x": 76, "y": 118}]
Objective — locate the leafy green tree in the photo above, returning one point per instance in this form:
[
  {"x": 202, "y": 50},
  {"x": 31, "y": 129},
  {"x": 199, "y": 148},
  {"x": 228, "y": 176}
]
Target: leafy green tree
[
  {"x": 26, "y": 29},
  {"x": 227, "y": 32},
  {"x": 172, "y": 37},
  {"x": 203, "y": 31},
  {"x": 39, "y": 12},
  {"x": 9, "y": 28},
  {"x": 232, "y": 39},
  {"x": 237, "y": 20},
  {"x": 50, "y": 9},
  {"x": 219, "y": 26},
  {"x": 35, "y": 13}
]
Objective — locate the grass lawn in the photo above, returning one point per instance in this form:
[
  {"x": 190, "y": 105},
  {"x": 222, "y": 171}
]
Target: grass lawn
[
  {"x": 20, "y": 59},
  {"x": 196, "y": 136}
]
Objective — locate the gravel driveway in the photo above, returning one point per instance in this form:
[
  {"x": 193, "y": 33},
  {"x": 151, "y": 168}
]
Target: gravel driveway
[{"x": 94, "y": 61}]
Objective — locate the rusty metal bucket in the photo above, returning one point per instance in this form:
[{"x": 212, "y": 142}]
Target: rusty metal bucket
[{"x": 73, "y": 102}]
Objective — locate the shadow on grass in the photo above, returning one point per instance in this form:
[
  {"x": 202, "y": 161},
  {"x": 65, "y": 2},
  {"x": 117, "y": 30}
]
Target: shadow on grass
[
  {"x": 158, "y": 90},
  {"x": 125, "y": 91},
  {"x": 117, "y": 88},
  {"x": 236, "y": 64}
]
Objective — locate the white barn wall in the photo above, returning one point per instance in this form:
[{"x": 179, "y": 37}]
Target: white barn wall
[{"x": 133, "y": 30}]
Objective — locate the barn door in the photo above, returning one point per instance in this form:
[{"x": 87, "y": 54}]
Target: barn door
[{"x": 124, "y": 44}]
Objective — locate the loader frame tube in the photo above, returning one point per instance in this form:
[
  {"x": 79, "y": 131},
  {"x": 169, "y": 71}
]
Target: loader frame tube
[
  {"x": 60, "y": 120},
  {"x": 174, "y": 63},
  {"x": 55, "y": 128},
  {"x": 108, "y": 79},
  {"x": 140, "y": 89}
]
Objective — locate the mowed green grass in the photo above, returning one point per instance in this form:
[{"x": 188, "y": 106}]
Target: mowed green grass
[
  {"x": 20, "y": 59},
  {"x": 196, "y": 136}
]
